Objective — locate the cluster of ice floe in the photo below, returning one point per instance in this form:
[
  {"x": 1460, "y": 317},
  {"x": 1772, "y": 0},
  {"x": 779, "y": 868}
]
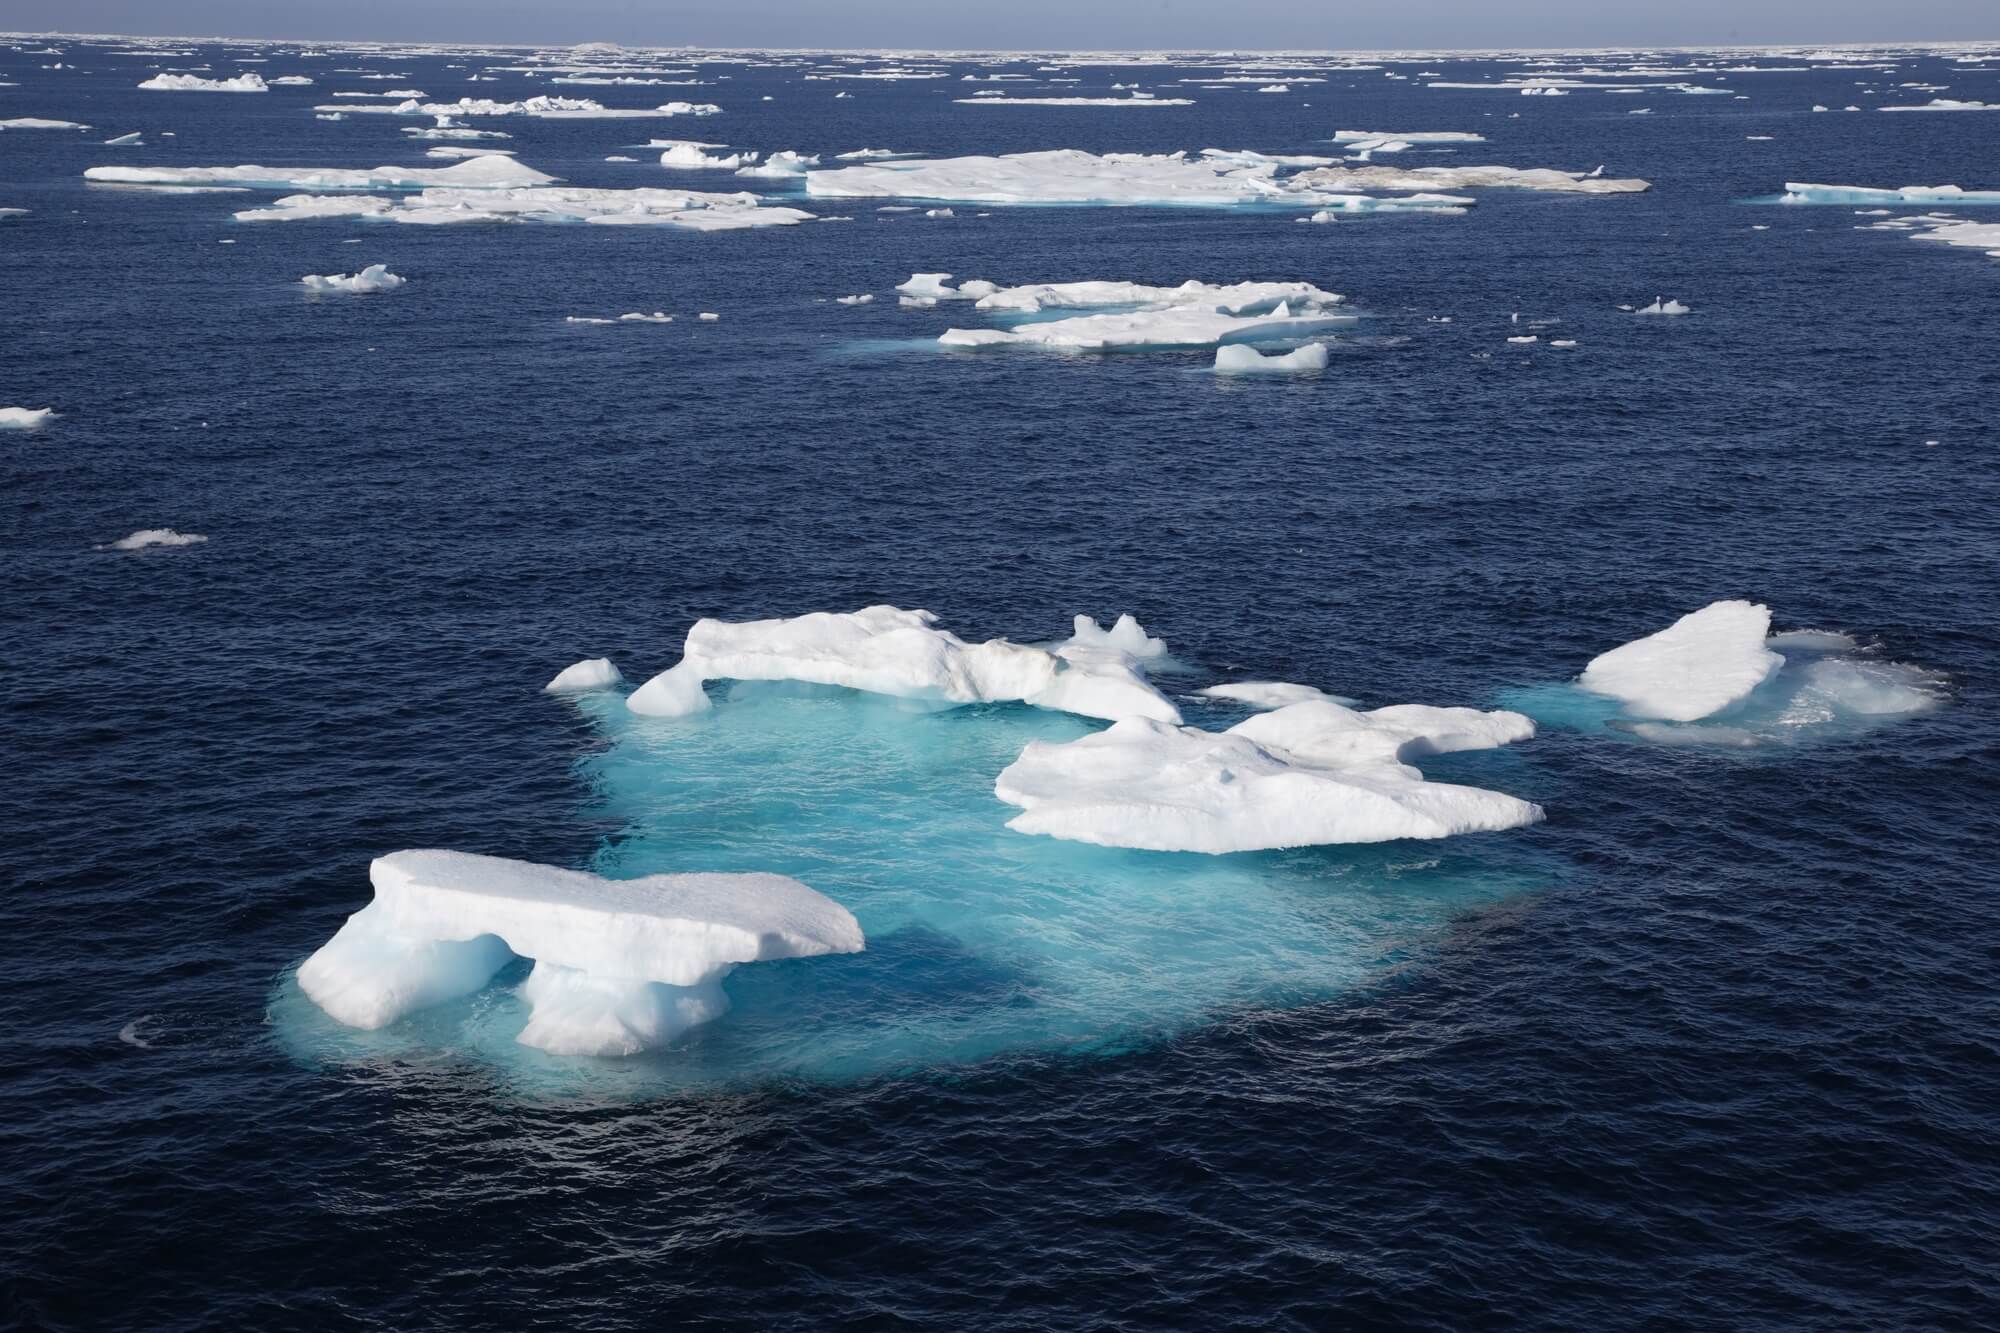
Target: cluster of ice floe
[
  {"x": 1138, "y": 315},
  {"x": 192, "y": 83},
  {"x": 1947, "y": 230},
  {"x": 374, "y": 278},
  {"x": 539, "y": 108},
  {"x": 885, "y": 650},
  {"x": 620, "y": 965}
]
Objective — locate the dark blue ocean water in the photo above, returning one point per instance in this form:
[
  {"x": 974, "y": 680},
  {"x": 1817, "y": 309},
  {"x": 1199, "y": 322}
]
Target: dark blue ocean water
[{"x": 1728, "y": 1059}]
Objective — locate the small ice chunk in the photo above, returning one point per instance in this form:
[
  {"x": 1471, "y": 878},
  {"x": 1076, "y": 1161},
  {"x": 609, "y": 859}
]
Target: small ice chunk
[
  {"x": 146, "y": 537},
  {"x": 374, "y": 278},
  {"x": 1269, "y": 693},
  {"x": 1237, "y": 359},
  {"x": 708, "y": 317},
  {"x": 1705, "y": 662},
  {"x": 25, "y": 418},
  {"x": 863, "y": 299},
  {"x": 1661, "y": 306},
  {"x": 191, "y": 83},
  {"x": 593, "y": 673},
  {"x": 124, "y": 139}
]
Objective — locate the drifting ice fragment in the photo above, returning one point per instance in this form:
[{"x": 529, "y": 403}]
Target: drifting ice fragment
[
  {"x": 146, "y": 537},
  {"x": 1663, "y": 307},
  {"x": 374, "y": 278},
  {"x": 25, "y": 418},
  {"x": 189, "y": 83},
  {"x": 1240, "y": 360},
  {"x": 594, "y": 673},
  {"x": 1703, "y": 663}
]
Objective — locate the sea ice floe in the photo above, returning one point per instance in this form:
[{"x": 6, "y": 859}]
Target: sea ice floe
[
  {"x": 1240, "y": 360},
  {"x": 1269, "y": 693},
  {"x": 861, "y": 299},
  {"x": 1800, "y": 193},
  {"x": 593, "y": 673},
  {"x": 690, "y": 209},
  {"x": 539, "y": 108},
  {"x": 374, "y": 278},
  {"x": 484, "y": 172},
  {"x": 190, "y": 83},
  {"x": 1942, "y": 104},
  {"x": 1305, "y": 774},
  {"x": 1700, "y": 665},
  {"x": 25, "y": 418},
  {"x": 146, "y": 537},
  {"x": 885, "y": 650},
  {"x": 1344, "y": 178},
  {"x": 630, "y": 963},
  {"x": 690, "y": 156},
  {"x": 1661, "y": 306},
  {"x": 996, "y": 98},
  {"x": 780, "y": 165},
  {"x": 125, "y": 140},
  {"x": 1408, "y": 136},
  {"x": 39, "y": 123},
  {"x": 1946, "y": 230},
  {"x": 1136, "y": 315}
]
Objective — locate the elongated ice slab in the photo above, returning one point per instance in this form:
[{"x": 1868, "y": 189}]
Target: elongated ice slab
[
  {"x": 191, "y": 83},
  {"x": 40, "y": 123},
  {"x": 374, "y": 278},
  {"x": 1305, "y": 774},
  {"x": 1240, "y": 360},
  {"x": 25, "y": 418},
  {"x": 1134, "y": 315},
  {"x": 539, "y": 108},
  {"x": 1135, "y": 100},
  {"x": 484, "y": 172},
  {"x": 1798, "y": 192},
  {"x": 1702, "y": 664},
  {"x": 146, "y": 537},
  {"x": 1373, "y": 177},
  {"x": 689, "y": 209},
  {"x": 630, "y": 963},
  {"x": 889, "y": 651},
  {"x": 1409, "y": 136}
]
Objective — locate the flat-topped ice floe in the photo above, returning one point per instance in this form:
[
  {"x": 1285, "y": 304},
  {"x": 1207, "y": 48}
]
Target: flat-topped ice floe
[
  {"x": 889, "y": 651},
  {"x": 1408, "y": 136},
  {"x": 689, "y": 209},
  {"x": 1240, "y": 360},
  {"x": 1305, "y": 774},
  {"x": 1373, "y": 177},
  {"x": 593, "y": 673},
  {"x": 1137, "y": 316},
  {"x": 1703, "y": 663},
  {"x": 1134, "y": 100},
  {"x": 190, "y": 83},
  {"x": 484, "y": 172},
  {"x": 1945, "y": 104},
  {"x": 1946, "y": 230},
  {"x": 1797, "y": 192},
  {"x": 39, "y": 123},
  {"x": 374, "y": 278},
  {"x": 620, "y": 965},
  {"x": 25, "y": 418},
  {"x": 538, "y": 108}
]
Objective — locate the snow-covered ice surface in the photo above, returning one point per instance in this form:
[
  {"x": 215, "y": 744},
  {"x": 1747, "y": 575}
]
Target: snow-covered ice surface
[
  {"x": 1136, "y": 316},
  {"x": 374, "y": 278},
  {"x": 593, "y": 673},
  {"x": 1701, "y": 664},
  {"x": 25, "y": 418},
  {"x": 193, "y": 83},
  {"x": 484, "y": 172},
  {"x": 631, "y": 963}
]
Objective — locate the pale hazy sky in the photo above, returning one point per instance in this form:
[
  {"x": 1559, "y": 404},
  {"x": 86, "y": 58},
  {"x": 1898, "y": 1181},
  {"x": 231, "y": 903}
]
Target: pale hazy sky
[{"x": 1037, "y": 24}]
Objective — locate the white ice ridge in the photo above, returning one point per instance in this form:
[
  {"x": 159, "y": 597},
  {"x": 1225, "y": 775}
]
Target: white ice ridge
[
  {"x": 484, "y": 172},
  {"x": 629, "y": 963},
  {"x": 1945, "y": 104},
  {"x": 1409, "y": 136},
  {"x": 1303, "y": 774},
  {"x": 374, "y": 278},
  {"x": 1707, "y": 661},
  {"x": 1370, "y": 177},
  {"x": 593, "y": 673},
  {"x": 886, "y": 650},
  {"x": 1135, "y": 99},
  {"x": 1800, "y": 193},
  {"x": 1071, "y": 176},
  {"x": 146, "y": 537},
  {"x": 38, "y": 123},
  {"x": 1134, "y": 315},
  {"x": 190, "y": 83},
  {"x": 691, "y": 209},
  {"x": 1237, "y": 359},
  {"x": 25, "y": 418},
  {"x": 690, "y": 156},
  {"x": 540, "y": 108}
]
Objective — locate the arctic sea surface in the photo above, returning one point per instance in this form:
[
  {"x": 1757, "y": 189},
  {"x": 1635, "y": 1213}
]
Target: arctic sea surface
[{"x": 1714, "y": 1045}]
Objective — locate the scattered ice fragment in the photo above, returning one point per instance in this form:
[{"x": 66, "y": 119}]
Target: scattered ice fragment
[
  {"x": 863, "y": 299},
  {"x": 1306, "y": 773},
  {"x": 594, "y": 673},
  {"x": 1237, "y": 359},
  {"x": 938, "y": 213},
  {"x": 37, "y": 123},
  {"x": 1267, "y": 694},
  {"x": 631, "y": 963},
  {"x": 146, "y": 537},
  {"x": 374, "y": 278},
  {"x": 1702, "y": 664},
  {"x": 1525, "y": 338},
  {"x": 708, "y": 317},
  {"x": 25, "y": 418},
  {"x": 641, "y": 317},
  {"x": 1663, "y": 307},
  {"x": 124, "y": 140},
  {"x": 619, "y": 157}
]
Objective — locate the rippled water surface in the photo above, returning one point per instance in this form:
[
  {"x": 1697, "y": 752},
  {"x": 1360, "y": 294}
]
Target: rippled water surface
[{"x": 1713, "y": 1046}]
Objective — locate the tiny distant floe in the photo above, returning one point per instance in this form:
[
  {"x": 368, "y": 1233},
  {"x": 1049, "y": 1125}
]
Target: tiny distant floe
[
  {"x": 621, "y": 966},
  {"x": 1547, "y": 179},
  {"x": 537, "y": 108},
  {"x": 1237, "y": 359},
  {"x": 374, "y": 278},
  {"x": 996, "y": 98},
  {"x": 26, "y": 418},
  {"x": 1138, "y": 316},
  {"x": 902, "y": 654},
  {"x": 38, "y": 123},
  {"x": 1944, "y": 104},
  {"x": 149, "y": 537},
  {"x": 191, "y": 83},
  {"x": 1720, "y": 677},
  {"x": 593, "y": 673}
]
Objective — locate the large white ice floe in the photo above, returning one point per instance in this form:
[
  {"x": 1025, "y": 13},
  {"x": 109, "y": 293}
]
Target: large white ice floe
[
  {"x": 1237, "y": 359},
  {"x": 1798, "y": 192},
  {"x": 374, "y": 278},
  {"x": 25, "y": 418},
  {"x": 1376, "y": 177},
  {"x": 1135, "y": 315},
  {"x": 593, "y": 673},
  {"x": 192, "y": 83},
  {"x": 1945, "y": 104},
  {"x": 1071, "y": 176},
  {"x": 620, "y": 965},
  {"x": 40, "y": 123},
  {"x": 691, "y": 156},
  {"x": 1702, "y": 664},
  {"x": 1304, "y": 774},
  {"x": 484, "y": 172},
  {"x": 689, "y": 209},
  {"x": 889, "y": 651}
]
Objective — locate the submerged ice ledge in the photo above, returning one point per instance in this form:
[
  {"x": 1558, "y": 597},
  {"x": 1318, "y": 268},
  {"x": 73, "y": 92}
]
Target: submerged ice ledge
[{"x": 620, "y": 965}]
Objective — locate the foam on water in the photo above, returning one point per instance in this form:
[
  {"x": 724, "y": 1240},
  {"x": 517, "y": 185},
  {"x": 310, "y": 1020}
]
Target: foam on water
[{"x": 980, "y": 941}]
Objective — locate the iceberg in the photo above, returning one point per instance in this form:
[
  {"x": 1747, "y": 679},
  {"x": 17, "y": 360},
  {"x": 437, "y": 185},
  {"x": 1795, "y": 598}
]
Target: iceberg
[
  {"x": 630, "y": 964},
  {"x": 1237, "y": 359},
  {"x": 189, "y": 83},
  {"x": 1705, "y": 662},
  {"x": 593, "y": 673},
  {"x": 889, "y": 651},
  {"x": 1304, "y": 774},
  {"x": 374, "y": 278},
  {"x": 146, "y": 537},
  {"x": 25, "y": 418},
  {"x": 484, "y": 172}
]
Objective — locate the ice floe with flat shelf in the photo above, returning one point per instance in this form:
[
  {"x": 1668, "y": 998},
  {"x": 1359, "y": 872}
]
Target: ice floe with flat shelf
[
  {"x": 485, "y": 172},
  {"x": 374, "y": 278},
  {"x": 539, "y": 108},
  {"x": 1237, "y": 359},
  {"x": 621, "y": 966},
  {"x": 40, "y": 123},
  {"x": 1797, "y": 192},
  {"x": 1549, "y": 179},
  {"x": 1304, "y": 774},
  {"x": 1138, "y": 315},
  {"x": 902, "y": 654},
  {"x": 25, "y": 418},
  {"x": 192, "y": 83},
  {"x": 1701, "y": 664}
]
